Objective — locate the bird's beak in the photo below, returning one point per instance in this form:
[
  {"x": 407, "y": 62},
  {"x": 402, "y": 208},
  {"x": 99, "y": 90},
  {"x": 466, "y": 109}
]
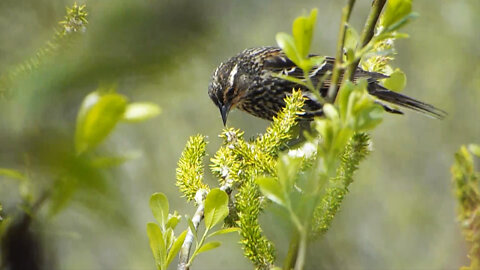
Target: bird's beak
[{"x": 224, "y": 112}]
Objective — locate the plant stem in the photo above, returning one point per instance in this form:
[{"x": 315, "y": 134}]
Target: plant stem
[
  {"x": 333, "y": 89},
  {"x": 187, "y": 244},
  {"x": 302, "y": 251},
  {"x": 183, "y": 261},
  {"x": 367, "y": 34},
  {"x": 292, "y": 252}
]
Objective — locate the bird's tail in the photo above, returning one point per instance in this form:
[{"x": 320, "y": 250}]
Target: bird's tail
[{"x": 389, "y": 96}]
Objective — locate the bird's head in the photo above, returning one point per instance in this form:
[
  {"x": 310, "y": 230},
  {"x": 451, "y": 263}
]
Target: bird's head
[{"x": 224, "y": 87}]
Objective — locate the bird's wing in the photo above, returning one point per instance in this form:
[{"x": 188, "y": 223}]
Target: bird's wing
[{"x": 278, "y": 62}]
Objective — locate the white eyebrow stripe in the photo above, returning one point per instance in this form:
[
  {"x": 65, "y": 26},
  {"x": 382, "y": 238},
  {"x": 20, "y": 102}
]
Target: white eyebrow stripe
[{"x": 231, "y": 77}]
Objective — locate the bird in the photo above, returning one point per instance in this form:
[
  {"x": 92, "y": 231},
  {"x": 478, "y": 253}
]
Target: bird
[{"x": 249, "y": 81}]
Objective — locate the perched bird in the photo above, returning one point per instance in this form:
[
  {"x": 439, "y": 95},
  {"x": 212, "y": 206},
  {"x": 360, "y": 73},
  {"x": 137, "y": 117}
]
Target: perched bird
[{"x": 249, "y": 81}]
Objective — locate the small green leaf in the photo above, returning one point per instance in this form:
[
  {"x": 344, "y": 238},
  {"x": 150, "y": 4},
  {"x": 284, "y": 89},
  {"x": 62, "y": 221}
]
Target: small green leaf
[
  {"x": 272, "y": 190},
  {"x": 287, "y": 170},
  {"x": 224, "y": 231},
  {"x": 368, "y": 118},
  {"x": 216, "y": 207},
  {"x": 141, "y": 111},
  {"x": 343, "y": 98},
  {"x": 397, "y": 81},
  {"x": 169, "y": 237},
  {"x": 13, "y": 174},
  {"x": 208, "y": 246},
  {"x": 287, "y": 43},
  {"x": 302, "y": 31},
  {"x": 97, "y": 117},
  {"x": 475, "y": 149},
  {"x": 160, "y": 207},
  {"x": 351, "y": 38},
  {"x": 157, "y": 244},
  {"x": 395, "y": 11},
  {"x": 176, "y": 247}
]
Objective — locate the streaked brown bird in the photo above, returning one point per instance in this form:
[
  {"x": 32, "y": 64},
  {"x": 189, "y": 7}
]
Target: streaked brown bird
[{"x": 248, "y": 82}]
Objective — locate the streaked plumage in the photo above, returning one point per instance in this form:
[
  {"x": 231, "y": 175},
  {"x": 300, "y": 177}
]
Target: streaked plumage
[{"x": 247, "y": 81}]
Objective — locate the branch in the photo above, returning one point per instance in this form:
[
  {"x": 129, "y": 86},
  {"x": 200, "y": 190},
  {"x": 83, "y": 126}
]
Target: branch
[
  {"x": 367, "y": 34},
  {"x": 184, "y": 255},
  {"x": 333, "y": 89}
]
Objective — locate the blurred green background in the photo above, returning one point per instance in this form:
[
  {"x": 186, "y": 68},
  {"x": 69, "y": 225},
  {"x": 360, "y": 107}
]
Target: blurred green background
[{"x": 400, "y": 213}]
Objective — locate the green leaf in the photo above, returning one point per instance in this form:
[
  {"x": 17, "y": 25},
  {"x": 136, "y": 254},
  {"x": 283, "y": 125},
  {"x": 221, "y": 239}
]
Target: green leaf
[
  {"x": 169, "y": 237},
  {"x": 216, "y": 207},
  {"x": 224, "y": 231},
  {"x": 287, "y": 170},
  {"x": 287, "y": 43},
  {"x": 157, "y": 244},
  {"x": 395, "y": 11},
  {"x": 343, "y": 97},
  {"x": 208, "y": 246},
  {"x": 13, "y": 174},
  {"x": 302, "y": 31},
  {"x": 177, "y": 245},
  {"x": 370, "y": 117},
  {"x": 475, "y": 149},
  {"x": 272, "y": 190},
  {"x": 141, "y": 111},
  {"x": 97, "y": 117},
  {"x": 351, "y": 38},
  {"x": 397, "y": 81},
  {"x": 160, "y": 207}
]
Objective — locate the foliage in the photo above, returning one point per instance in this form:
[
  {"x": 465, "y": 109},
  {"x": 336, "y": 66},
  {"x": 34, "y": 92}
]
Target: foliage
[
  {"x": 165, "y": 246},
  {"x": 465, "y": 181}
]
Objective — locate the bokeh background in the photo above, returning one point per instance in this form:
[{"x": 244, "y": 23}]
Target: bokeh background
[{"x": 400, "y": 213}]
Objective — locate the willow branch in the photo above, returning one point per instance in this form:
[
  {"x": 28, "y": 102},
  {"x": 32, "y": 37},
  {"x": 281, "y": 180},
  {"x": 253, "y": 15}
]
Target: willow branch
[
  {"x": 184, "y": 254},
  {"x": 333, "y": 89},
  {"x": 367, "y": 34},
  {"x": 187, "y": 244}
]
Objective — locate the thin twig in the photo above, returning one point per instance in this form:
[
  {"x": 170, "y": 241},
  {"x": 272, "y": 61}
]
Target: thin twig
[
  {"x": 367, "y": 34},
  {"x": 187, "y": 244},
  {"x": 184, "y": 254},
  {"x": 333, "y": 89}
]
